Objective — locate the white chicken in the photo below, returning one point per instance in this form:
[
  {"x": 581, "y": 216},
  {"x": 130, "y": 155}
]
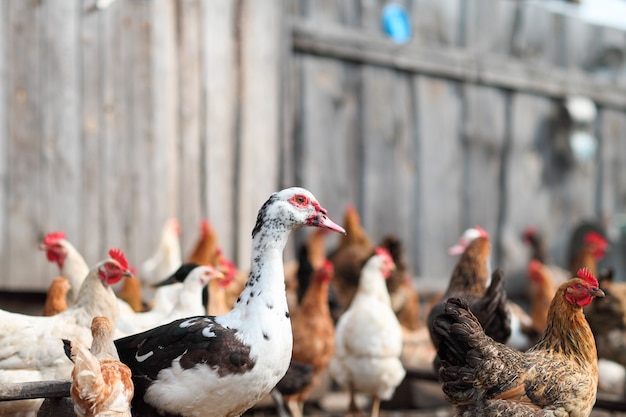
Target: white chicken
[
  {"x": 30, "y": 346},
  {"x": 368, "y": 338},
  {"x": 70, "y": 262},
  {"x": 167, "y": 256},
  {"x": 194, "y": 278},
  {"x": 101, "y": 385},
  {"x": 73, "y": 266}
]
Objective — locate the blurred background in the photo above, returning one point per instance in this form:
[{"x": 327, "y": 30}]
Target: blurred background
[{"x": 429, "y": 116}]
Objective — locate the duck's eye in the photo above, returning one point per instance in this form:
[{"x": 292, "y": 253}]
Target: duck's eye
[{"x": 300, "y": 200}]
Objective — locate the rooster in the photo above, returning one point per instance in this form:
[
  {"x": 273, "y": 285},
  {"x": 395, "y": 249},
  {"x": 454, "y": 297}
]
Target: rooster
[
  {"x": 313, "y": 335},
  {"x": 56, "y": 297},
  {"x": 558, "y": 376},
  {"x": 30, "y": 348},
  {"x": 469, "y": 281},
  {"x": 368, "y": 338},
  {"x": 101, "y": 384}
]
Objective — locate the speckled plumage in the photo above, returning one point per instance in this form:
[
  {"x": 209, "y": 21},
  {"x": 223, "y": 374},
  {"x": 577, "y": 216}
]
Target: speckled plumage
[
  {"x": 556, "y": 377},
  {"x": 221, "y": 366}
]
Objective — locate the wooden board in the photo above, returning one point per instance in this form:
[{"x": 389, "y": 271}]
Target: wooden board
[
  {"x": 220, "y": 106},
  {"x": 258, "y": 152},
  {"x": 327, "y": 148},
  {"x": 24, "y": 265},
  {"x": 438, "y": 181},
  {"x": 4, "y": 135},
  {"x": 390, "y": 159},
  {"x": 528, "y": 193},
  {"x": 92, "y": 113},
  {"x": 483, "y": 148},
  {"x": 328, "y": 142},
  {"x": 612, "y": 187},
  {"x": 62, "y": 153},
  {"x": 160, "y": 59},
  {"x": 191, "y": 184}
]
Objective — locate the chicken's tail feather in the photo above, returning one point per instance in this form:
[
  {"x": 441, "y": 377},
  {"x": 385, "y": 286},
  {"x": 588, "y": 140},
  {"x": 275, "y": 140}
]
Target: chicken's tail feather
[
  {"x": 458, "y": 329},
  {"x": 492, "y": 311}
]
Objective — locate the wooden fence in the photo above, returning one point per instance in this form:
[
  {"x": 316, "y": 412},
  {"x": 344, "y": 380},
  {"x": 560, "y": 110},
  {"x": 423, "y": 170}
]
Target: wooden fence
[{"x": 113, "y": 120}]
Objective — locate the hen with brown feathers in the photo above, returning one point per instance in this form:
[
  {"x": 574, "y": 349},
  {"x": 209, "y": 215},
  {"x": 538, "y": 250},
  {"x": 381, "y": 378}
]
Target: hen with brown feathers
[
  {"x": 353, "y": 249},
  {"x": 469, "y": 281},
  {"x": 556, "y": 377}
]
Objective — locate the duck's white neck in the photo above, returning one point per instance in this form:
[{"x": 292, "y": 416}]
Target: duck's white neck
[{"x": 265, "y": 289}]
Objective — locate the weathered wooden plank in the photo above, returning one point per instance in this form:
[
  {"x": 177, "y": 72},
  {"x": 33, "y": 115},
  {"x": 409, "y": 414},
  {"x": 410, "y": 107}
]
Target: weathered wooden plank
[
  {"x": 92, "y": 112},
  {"x": 328, "y": 146},
  {"x": 437, "y": 22},
  {"x": 259, "y": 152},
  {"x": 390, "y": 158},
  {"x": 438, "y": 119},
  {"x": 191, "y": 169},
  {"x": 25, "y": 183},
  {"x": 145, "y": 215},
  {"x": 536, "y": 36},
  {"x": 528, "y": 186},
  {"x": 483, "y": 142},
  {"x": 4, "y": 134},
  {"x": 488, "y": 26},
  {"x": 115, "y": 158},
  {"x": 62, "y": 152},
  {"x": 612, "y": 187},
  {"x": 453, "y": 63},
  {"x": 219, "y": 128},
  {"x": 163, "y": 75}
]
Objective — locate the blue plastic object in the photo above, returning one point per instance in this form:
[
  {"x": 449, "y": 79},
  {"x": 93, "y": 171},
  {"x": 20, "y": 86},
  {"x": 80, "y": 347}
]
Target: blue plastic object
[{"x": 396, "y": 23}]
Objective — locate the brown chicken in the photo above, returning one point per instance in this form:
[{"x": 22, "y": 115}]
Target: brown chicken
[
  {"x": 588, "y": 253},
  {"x": 101, "y": 384},
  {"x": 541, "y": 291},
  {"x": 404, "y": 296},
  {"x": 56, "y": 300},
  {"x": 204, "y": 251},
  {"x": 313, "y": 335},
  {"x": 131, "y": 293},
  {"x": 469, "y": 281},
  {"x": 536, "y": 242},
  {"x": 607, "y": 318},
  {"x": 353, "y": 249},
  {"x": 556, "y": 377}
]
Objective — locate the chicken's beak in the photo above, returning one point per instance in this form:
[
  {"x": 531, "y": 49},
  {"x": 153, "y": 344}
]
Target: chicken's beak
[
  {"x": 597, "y": 292},
  {"x": 128, "y": 274}
]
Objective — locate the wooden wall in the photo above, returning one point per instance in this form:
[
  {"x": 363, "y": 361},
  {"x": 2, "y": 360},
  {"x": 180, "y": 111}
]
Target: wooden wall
[{"x": 112, "y": 121}]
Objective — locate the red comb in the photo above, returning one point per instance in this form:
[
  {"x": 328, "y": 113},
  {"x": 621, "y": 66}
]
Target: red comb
[
  {"x": 382, "y": 252},
  {"x": 586, "y": 274},
  {"x": 481, "y": 231},
  {"x": 119, "y": 256},
  {"x": 53, "y": 237},
  {"x": 328, "y": 267},
  {"x": 595, "y": 238}
]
